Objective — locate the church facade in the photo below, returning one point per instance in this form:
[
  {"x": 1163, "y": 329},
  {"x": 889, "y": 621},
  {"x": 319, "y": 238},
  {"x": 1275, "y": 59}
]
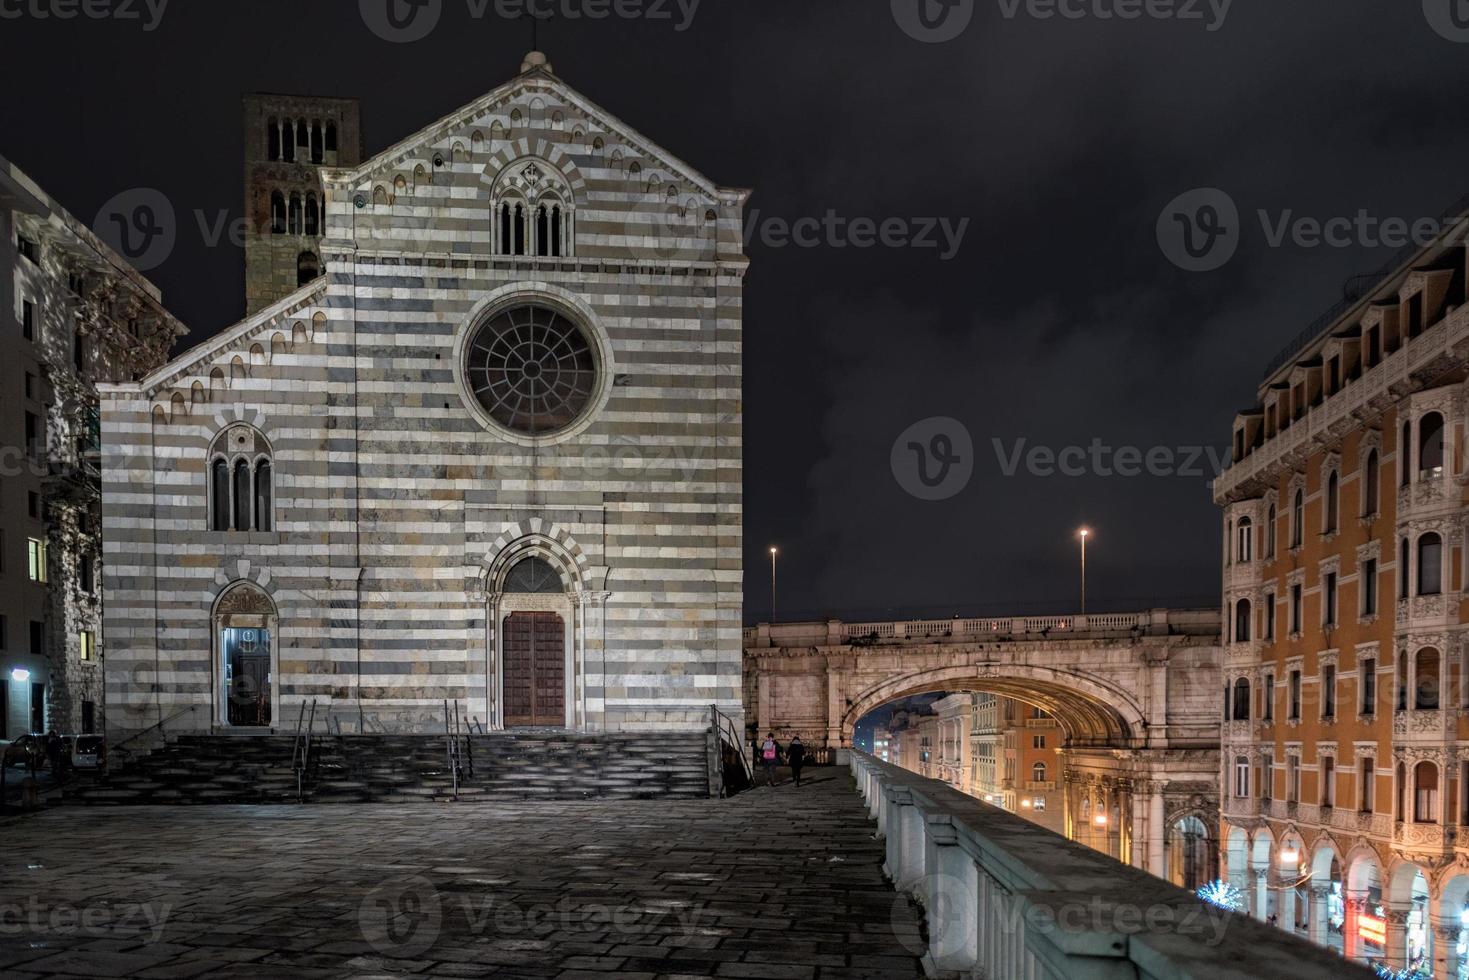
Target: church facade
[{"x": 490, "y": 457}]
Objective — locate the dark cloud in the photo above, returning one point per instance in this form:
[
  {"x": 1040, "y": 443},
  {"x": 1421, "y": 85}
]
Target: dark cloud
[{"x": 1059, "y": 321}]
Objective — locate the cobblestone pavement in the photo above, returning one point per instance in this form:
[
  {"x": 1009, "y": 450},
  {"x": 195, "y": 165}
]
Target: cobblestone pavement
[{"x": 779, "y": 882}]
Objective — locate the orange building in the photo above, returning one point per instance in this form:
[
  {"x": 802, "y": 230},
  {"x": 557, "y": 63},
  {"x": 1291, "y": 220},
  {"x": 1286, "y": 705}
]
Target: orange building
[{"x": 1345, "y": 714}]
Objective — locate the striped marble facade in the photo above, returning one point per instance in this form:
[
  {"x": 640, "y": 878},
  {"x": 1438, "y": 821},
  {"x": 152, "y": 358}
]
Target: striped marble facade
[{"x": 397, "y": 511}]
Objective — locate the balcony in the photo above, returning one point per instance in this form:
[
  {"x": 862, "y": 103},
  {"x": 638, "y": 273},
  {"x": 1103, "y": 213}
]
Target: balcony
[
  {"x": 1425, "y": 725},
  {"x": 1242, "y": 576},
  {"x": 1431, "y": 494},
  {"x": 1037, "y": 786},
  {"x": 1240, "y": 806}
]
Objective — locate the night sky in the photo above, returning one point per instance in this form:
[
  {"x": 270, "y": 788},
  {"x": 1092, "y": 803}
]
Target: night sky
[{"x": 1059, "y": 321}]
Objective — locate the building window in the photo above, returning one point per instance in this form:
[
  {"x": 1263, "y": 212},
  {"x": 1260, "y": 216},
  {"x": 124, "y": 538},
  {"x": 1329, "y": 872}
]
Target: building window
[
  {"x": 1270, "y": 532},
  {"x": 1038, "y": 804},
  {"x": 38, "y": 638},
  {"x": 1430, "y": 564},
  {"x": 89, "y": 717},
  {"x": 1295, "y": 696},
  {"x": 1268, "y": 613},
  {"x": 1333, "y": 499},
  {"x": 35, "y": 440},
  {"x": 308, "y": 268},
  {"x": 36, "y": 559},
  {"x": 1369, "y": 686},
  {"x": 28, "y": 249},
  {"x": 31, "y": 386},
  {"x": 86, "y": 575},
  {"x": 1425, "y": 680},
  {"x": 1405, "y": 454},
  {"x": 1328, "y": 781},
  {"x": 1037, "y": 741},
  {"x": 1241, "y": 699},
  {"x": 1425, "y": 793},
  {"x": 1295, "y": 608},
  {"x": 1403, "y": 564},
  {"x": 1328, "y": 599},
  {"x": 1368, "y": 777},
  {"x": 1430, "y": 446},
  {"x": 33, "y": 505},
  {"x": 4, "y": 632},
  {"x": 1241, "y": 777},
  {"x": 1267, "y": 777},
  {"x": 1293, "y": 779},
  {"x": 1328, "y": 691},
  {"x": 1267, "y": 697},
  {"x": 1038, "y": 772},
  {"x": 1244, "y": 545},
  {"x": 1369, "y": 587},
  {"x": 1242, "y": 621},
  {"x": 1297, "y": 518},
  {"x": 1371, "y": 475},
  {"x": 27, "y": 320},
  {"x": 86, "y": 646},
  {"x": 277, "y": 213},
  {"x": 241, "y": 490}
]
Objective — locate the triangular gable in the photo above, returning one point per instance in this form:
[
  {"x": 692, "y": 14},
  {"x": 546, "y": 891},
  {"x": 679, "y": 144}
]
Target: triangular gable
[{"x": 542, "y": 82}]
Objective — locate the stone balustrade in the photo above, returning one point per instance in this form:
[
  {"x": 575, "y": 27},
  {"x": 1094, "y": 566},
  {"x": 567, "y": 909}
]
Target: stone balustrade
[
  {"x": 1158, "y": 622},
  {"x": 1007, "y": 898}
]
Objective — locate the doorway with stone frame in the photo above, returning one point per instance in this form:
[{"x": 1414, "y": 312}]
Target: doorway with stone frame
[
  {"x": 535, "y": 658},
  {"x": 246, "y": 661}
]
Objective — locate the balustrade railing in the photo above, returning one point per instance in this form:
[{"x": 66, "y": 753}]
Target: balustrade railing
[
  {"x": 1198, "y": 622},
  {"x": 1008, "y": 898}
]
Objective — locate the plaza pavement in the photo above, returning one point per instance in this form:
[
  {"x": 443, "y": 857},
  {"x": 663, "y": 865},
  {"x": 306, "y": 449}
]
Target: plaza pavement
[{"x": 776, "y": 883}]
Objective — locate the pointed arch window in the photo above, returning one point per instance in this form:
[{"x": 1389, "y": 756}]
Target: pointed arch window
[
  {"x": 293, "y": 216},
  {"x": 543, "y": 231},
  {"x": 1297, "y": 518},
  {"x": 1333, "y": 500},
  {"x": 1371, "y": 475},
  {"x": 313, "y": 215},
  {"x": 273, "y": 140}
]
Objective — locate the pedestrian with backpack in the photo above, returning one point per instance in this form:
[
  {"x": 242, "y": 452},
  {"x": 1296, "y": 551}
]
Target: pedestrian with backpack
[{"x": 770, "y": 757}]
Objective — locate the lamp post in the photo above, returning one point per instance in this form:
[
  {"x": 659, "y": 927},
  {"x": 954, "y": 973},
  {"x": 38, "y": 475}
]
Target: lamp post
[
  {"x": 773, "y": 552},
  {"x": 1084, "y": 533}
]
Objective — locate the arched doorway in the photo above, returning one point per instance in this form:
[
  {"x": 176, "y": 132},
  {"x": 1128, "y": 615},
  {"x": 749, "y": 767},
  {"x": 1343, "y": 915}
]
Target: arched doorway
[
  {"x": 246, "y": 658},
  {"x": 1189, "y": 854},
  {"x": 534, "y": 620}
]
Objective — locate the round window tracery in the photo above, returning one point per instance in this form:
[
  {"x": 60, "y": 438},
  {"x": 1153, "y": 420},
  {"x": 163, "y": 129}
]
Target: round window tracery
[{"x": 532, "y": 369}]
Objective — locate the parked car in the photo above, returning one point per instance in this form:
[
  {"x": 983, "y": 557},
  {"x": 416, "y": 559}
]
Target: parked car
[
  {"x": 24, "y": 752},
  {"x": 87, "y": 751}
]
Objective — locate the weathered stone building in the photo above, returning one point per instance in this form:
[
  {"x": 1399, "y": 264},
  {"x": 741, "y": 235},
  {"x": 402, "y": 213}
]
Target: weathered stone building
[
  {"x": 491, "y": 456},
  {"x": 80, "y": 314}
]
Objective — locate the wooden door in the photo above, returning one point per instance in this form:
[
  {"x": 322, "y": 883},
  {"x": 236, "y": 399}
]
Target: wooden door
[{"x": 535, "y": 669}]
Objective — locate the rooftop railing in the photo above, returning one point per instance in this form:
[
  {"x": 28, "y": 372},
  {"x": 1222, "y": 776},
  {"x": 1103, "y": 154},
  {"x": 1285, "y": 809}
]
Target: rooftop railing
[{"x": 1158, "y": 622}]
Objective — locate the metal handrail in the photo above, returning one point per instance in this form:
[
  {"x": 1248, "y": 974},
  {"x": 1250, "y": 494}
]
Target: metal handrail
[
  {"x": 728, "y": 731},
  {"x": 301, "y": 747},
  {"x": 159, "y": 725}
]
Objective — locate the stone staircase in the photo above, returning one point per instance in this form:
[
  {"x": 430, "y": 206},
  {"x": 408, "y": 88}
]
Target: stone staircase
[{"x": 498, "y": 766}]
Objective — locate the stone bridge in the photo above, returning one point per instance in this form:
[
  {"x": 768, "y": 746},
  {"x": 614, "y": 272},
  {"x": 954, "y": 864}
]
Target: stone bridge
[{"x": 1137, "y": 695}]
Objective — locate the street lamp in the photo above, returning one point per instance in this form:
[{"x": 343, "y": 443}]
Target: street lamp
[
  {"x": 773, "y": 552},
  {"x": 1084, "y": 533}
]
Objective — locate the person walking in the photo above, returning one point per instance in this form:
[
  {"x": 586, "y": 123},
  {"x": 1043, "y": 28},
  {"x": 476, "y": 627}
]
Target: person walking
[
  {"x": 796, "y": 756},
  {"x": 770, "y": 757}
]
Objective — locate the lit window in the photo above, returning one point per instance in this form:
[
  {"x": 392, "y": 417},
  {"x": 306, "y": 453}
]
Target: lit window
[
  {"x": 87, "y": 646},
  {"x": 36, "y": 554}
]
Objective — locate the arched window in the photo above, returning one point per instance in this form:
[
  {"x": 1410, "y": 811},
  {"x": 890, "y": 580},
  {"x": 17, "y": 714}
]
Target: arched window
[
  {"x": 1405, "y": 454},
  {"x": 1244, "y": 547},
  {"x": 273, "y": 140},
  {"x": 517, "y": 244},
  {"x": 1297, "y": 518},
  {"x": 1333, "y": 500},
  {"x": 308, "y": 267},
  {"x": 1241, "y": 700},
  {"x": 1430, "y": 564},
  {"x": 313, "y": 215},
  {"x": 241, "y": 481},
  {"x": 303, "y": 136},
  {"x": 1430, "y": 446},
  {"x": 1402, "y": 672},
  {"x": 506, "y": 234},
  {"x": 1400, "y": 811},
  {"x": 1425, "y": 679},
  {"x": 243, "y": 488},
  {"x": 316, "y": 146},
  {"x": 1038, "y": 772},
  {"x": 264, "y": 494},
  {"x": 293, "y": 215},
  {"x": 543, "y": 230},
  {"x": 534, "y": 576},
  {"x": 1425, "y": 793},
  {"x": 1242, "y": 621},
  {"x": 1371, "y": 475},
  {"x": 1403, "y": 566},
  {"x": 219, "y": 495},
  {"x": 331, "y": 137},
  {"x": 556, "y": 230},
  {"x": 288, "y": 142},
  {"x": 1270, "y": 532},
  {"x": 277, "y": 213}
]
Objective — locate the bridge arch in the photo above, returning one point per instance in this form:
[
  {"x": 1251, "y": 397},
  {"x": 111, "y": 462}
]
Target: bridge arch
[{"x": 1092, "y": 712}]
